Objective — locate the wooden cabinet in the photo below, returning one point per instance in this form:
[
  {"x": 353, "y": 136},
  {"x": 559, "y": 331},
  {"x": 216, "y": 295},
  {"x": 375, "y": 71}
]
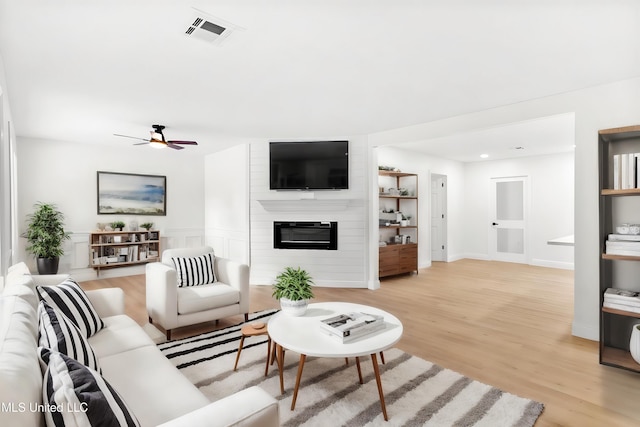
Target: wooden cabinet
[
  {"x": 396, "y": 259},
  {"x": 618, "y": 204},
  {"x": 109, "y": 249},
  {"x": 398, "y": 223}
]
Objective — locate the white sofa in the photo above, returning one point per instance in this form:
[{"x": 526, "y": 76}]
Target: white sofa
[
  {"x": 155, "y": 391},
  {"x": 170, "y": 306}
]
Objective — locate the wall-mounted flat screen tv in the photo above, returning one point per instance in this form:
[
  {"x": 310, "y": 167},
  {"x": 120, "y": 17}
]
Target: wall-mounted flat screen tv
[{"x": 309, "y": 165}]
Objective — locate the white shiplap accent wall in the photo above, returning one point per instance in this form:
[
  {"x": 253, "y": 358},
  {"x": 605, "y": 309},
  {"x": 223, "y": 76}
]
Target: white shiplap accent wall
[{"x": 345, "y": 267}]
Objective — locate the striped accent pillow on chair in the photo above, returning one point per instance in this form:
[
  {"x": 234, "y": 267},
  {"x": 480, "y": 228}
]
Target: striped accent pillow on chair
[
  {"x": 69, "y": 298},
  {"x": 194, "y": 271}
]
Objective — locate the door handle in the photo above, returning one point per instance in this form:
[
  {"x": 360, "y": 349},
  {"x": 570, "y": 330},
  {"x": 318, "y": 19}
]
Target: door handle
[{"x": 494, "y": 223}]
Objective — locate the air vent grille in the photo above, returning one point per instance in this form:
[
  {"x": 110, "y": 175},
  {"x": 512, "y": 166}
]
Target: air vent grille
[{"x": 208, "y": 28}]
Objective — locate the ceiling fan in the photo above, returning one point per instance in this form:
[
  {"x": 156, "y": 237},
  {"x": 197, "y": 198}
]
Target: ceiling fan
[{"x": 157, "y": 139}]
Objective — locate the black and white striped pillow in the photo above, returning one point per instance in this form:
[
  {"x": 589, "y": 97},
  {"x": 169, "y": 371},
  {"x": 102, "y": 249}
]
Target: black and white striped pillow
[
  {"x": 194, "y": 271},
  {"x": 69, "y": 298},
  {"x": 59, "y": 333},
  {"x": 84, "y": 397}
]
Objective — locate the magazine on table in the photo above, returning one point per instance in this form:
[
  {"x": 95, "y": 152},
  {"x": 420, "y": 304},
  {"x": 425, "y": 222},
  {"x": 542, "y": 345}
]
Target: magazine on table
[{"x": 349, "y": 326}]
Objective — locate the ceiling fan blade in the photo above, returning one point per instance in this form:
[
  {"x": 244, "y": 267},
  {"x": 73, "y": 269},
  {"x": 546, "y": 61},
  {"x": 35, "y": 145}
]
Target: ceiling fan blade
[
  {"x": 132, "y": 137},
  {"x": 184, "y": 142},
  {"x": 141, "y": 143},
  {"x": 175, "y": 147}
]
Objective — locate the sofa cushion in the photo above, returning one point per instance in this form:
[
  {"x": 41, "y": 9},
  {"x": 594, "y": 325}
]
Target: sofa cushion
[
  {"x": 195, "y": 271},
  {"x": 151, "y": 385},
  {"x": 60, "y": 334},
  {"x": 22, "y": 286},
  {"x": 20, "y": 375},
  {"x": 86, "y": 399},
  {"x": 121, "y": 333},
  {"x": 200, "y": 298},
  {"x": 69, "y": 298}
]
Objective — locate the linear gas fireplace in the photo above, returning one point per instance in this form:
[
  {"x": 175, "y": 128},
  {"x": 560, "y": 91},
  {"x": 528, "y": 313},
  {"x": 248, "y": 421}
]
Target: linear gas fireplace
[{"x": 305, "y": 235}]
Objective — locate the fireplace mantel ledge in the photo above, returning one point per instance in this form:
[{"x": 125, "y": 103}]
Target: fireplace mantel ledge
[{"x": 295, "y": 205}]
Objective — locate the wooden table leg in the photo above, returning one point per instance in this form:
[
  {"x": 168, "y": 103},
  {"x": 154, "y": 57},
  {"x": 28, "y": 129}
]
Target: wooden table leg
[
  {"x": 239, "y": 351},
  {"x": 266, "y": 368},
  {"x": 295, "y": 390},
  {"x": 280, "y": 361},
  {"x": 359, "y": 371},
  {"x": 376, "y": 369}
]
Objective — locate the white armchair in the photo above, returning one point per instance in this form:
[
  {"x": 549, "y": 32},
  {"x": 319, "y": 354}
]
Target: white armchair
[{"x": 171, "y": 306}]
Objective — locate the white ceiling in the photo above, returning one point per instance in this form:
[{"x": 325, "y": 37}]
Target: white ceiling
[
  {"x": 546, "y": 135},
  {"x": 80, "y": 70}
]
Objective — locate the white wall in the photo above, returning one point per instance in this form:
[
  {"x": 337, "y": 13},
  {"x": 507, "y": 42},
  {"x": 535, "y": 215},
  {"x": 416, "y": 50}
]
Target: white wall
[
  {"x": 226, "y": 188},
  {"x": 424, "y": 166},
  {"x": 601, "y": 107},
  {"x": 7, "y": 180},
  {"x": 551, "y": 211},
  {"x": 64, "y": 173},
  {"x": 348, "y": 266}
]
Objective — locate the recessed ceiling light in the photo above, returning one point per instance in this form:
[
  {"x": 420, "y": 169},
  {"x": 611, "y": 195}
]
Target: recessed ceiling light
[{"x": 484, "y": 156}]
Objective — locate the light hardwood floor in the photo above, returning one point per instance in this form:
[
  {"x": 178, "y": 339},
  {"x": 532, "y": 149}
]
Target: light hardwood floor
[{"x": 508, "y": 325}]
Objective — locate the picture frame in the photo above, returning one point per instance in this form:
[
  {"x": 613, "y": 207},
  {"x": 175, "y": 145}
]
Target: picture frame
[{"x": 120, "y": 193}]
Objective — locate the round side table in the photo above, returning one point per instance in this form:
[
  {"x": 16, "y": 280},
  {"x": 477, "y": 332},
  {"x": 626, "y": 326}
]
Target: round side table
[{"x": 251, "y": 330}]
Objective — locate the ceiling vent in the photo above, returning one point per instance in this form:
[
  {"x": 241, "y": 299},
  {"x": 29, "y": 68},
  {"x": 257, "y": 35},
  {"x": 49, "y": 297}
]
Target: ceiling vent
[{"x": 209, "y": 28}]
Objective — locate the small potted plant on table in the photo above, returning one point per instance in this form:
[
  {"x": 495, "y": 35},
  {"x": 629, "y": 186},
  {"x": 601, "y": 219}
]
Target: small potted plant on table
[{"x": 293, "y": 289}]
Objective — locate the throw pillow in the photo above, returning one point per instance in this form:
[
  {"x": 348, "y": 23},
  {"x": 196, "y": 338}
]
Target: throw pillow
[
  {"x": 69, "y": 298},
  {"x": 80, "y": 395},
  {"x": 194, "y": 271},
  {"x": 59, "y": 333}
]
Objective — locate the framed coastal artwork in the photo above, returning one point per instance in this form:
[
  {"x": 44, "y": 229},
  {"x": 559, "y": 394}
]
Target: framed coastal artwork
[{"x": 131, "y": 194}]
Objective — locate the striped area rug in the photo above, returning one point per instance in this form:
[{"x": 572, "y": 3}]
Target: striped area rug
[{"x": 417, "y": 392}]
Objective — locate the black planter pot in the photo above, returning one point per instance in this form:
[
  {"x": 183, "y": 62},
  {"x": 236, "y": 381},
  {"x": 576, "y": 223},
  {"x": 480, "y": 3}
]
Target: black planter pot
[{"x": 48, "y": 265}]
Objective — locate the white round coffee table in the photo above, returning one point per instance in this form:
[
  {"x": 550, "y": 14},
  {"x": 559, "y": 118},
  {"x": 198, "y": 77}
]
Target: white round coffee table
[{"x": 303, "y": 335}]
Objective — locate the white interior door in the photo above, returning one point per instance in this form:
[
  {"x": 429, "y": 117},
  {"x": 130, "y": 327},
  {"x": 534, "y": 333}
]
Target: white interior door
[
  {"x": 438, "y": 217},
  {"x": 507, "y": 236}
]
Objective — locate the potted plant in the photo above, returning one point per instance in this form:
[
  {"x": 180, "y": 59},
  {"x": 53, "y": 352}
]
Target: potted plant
[
  {"x": 147, "y": 225},
  {"x": 117, "y": 225},
  {"x": 45, "y": 235},
  {"x": 293, "y": 289}
]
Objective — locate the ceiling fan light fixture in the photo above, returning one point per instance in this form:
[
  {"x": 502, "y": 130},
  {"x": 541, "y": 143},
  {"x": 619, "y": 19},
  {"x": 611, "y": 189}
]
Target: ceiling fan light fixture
[
  {"x": 157, "y": 144},
  {"x": 157, "y": 136}
]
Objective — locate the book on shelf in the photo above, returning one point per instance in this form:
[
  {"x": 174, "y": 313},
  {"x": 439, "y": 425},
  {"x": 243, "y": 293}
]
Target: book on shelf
[
  {"x": 623, "y": 237},
  {"x": 350, "y": 326},
  {"x": 623, "y": 307},
  {"x": 630, "y": 248},
  {"x": 622, "y": 296},
  {"x": 625, "y": 171}
]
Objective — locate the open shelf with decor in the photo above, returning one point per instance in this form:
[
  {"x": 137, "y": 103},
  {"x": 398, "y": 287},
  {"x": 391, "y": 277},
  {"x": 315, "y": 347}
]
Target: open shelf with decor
[
  {"x": 398, "y": 223},
  {"x": 109, "y": 249},
  {"x": 619, "y": 169}
]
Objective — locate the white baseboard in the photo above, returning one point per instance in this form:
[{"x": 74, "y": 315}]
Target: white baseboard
[
  {"x": 330, "y": 284},
  {"x": 455, "y": 257},
  {"x": 552, "y": 264},
  {"x": 585, "y": 331},
  {"x": 84, "y": 274},
  {"x": 481, "y": 257}
]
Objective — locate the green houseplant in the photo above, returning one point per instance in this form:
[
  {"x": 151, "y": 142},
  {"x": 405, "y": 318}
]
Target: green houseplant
[
  {"x": 45, "y": 235},
  {"x": 117, "y": 225},
  {"x": 293, "y": 288},
  {"x": 147, "y": 225}
]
